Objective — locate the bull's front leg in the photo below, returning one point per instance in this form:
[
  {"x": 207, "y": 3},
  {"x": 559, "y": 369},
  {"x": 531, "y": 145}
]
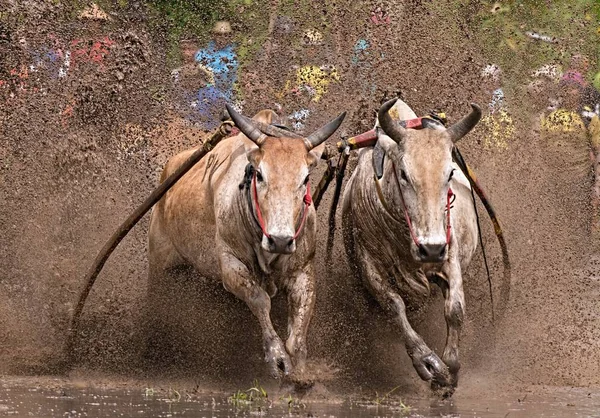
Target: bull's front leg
[
  {"x": 238, "y": 280},
  {"x": 301, "y": 302},
  {"x": 454, "y": 311},
  {"x": 427, "y": 364}
]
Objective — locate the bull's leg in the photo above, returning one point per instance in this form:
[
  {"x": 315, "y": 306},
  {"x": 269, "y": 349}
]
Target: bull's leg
[
  {"x": 238, "y": 280},
  {"x": 427, "y": 364},
  {"x": 301, "y": 301},
  {"x": 454, "y": 306}
]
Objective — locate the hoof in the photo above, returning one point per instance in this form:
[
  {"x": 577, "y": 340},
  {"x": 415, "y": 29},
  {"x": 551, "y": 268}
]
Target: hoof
[
  {"x": 278, "y": 360},
  {"x": 431, "y": 368}
]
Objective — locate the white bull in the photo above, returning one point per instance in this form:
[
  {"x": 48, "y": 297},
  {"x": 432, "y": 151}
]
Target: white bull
[
  {"x": 414, "y": 225},
  {"x": 244, "y": 214}
]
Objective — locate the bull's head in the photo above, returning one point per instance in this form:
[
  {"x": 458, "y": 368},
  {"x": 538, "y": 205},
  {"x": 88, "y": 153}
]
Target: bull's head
[
  {"x": 282, "y": 163},
  {"x": 422, "y": 160}
]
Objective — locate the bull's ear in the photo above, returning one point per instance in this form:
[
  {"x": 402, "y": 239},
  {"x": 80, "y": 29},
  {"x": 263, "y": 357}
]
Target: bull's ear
[
  {"x": 387, "y": 143},
  {"x": 255, "y": 156},
  {"x": 266, "y": 116},
  {"x": 314, "y": 155}
]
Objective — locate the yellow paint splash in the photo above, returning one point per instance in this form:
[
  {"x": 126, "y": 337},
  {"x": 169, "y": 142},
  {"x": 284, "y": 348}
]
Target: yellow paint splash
[{"x": 314, "y": 79}]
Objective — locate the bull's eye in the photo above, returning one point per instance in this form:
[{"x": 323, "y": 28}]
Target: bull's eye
[
  {"x": 259, "y": 176},
  {"x": 306, "y": 181},
  {"x": 451, "y": 174},
  {"x": 403, "y": 175}
]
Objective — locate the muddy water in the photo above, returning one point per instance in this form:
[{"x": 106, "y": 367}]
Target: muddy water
[
  {"x": 23, "y": 400},
  {"x": 76, "y": 157}
]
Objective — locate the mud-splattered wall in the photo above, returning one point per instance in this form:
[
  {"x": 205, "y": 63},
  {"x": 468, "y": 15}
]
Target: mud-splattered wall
[{"x": 94, "y": 101}]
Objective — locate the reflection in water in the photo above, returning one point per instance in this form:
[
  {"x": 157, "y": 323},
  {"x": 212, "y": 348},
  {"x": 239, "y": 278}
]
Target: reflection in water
[{"x": 19, "y": 401}]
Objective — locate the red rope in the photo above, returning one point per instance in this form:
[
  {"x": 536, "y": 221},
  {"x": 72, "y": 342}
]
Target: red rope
[
  {"x": 261, "y": 221},
  {"x": 307, "y": 202},
  {"x": 448, "y": 226}
]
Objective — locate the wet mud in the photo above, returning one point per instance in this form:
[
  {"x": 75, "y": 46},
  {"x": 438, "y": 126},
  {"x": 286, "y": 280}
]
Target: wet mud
[
  {"x": 79, "y": 152},
  {"x": 56, "y": 398}
]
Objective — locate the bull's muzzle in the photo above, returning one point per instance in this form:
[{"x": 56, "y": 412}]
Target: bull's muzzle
[
  {"x": 432, "y": 252},
  {"x": 279, "y": 244}
]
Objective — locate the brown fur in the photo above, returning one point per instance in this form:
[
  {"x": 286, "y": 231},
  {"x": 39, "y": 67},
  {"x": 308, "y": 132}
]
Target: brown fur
[
  {"x": 205, "y": 221},
  {"x": 380, "y": 244}
]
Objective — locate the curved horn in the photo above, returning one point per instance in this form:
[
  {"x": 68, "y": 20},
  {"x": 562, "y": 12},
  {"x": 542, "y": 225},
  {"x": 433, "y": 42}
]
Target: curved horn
[
  {"x": 324, "y": 132},
  {"x": 391, "y": 128},
  {"x": 274, "y": 131},
  {"x": 247, "y": 127},
  {"x": 258, "y": 129},
  {"x": 463, "y": 126}
]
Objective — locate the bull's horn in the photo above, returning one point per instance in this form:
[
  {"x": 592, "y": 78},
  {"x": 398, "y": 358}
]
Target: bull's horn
[
  {"x": 391, "y": 128},
  {"x": 246, "y": 126},
  {"x": 324, "y": 132},
  {"x": 463, "y": 126},
  {"x": 274, "y": 130},
  {"x": 253, "y": 125}
]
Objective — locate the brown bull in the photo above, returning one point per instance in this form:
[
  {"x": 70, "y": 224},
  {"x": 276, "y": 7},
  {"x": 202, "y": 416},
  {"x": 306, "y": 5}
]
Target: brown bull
[
  {"x": 244, "y": 214},
  {"x": 414, "y": 225}
]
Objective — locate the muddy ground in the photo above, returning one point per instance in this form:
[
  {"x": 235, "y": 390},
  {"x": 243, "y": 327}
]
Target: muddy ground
[{"x": 78, "y": 153}]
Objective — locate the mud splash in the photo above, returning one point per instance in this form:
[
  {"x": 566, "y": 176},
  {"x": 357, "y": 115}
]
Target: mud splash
[
  {"x": 79, "y": 151},
  {"x": 55, "y": 398}
]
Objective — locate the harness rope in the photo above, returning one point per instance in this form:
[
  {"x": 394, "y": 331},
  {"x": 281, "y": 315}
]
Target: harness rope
[
  {"x": 250, "y": 182},
  {"x": 341, "y": 170},
  {"x": 450, "y": 197},
  {"x": 369, "y": 139}
]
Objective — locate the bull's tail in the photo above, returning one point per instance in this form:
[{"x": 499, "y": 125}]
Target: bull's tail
[{"x": 506, "y": 282}]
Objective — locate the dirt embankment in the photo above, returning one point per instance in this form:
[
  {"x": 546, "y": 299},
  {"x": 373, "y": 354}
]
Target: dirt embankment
[{"x": 82, "y": 146}]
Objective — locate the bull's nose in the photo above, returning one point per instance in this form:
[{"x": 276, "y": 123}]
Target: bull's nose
[
  {"x": 432, "y": 252},
  {"x": 281, "y": 244}
]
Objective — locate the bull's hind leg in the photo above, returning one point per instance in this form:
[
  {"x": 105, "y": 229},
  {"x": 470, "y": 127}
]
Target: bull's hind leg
[
  {"x": 301, "y": 303},
  {"x": 454, "y": 312},
  {"x": 427, "y": 364},
  {"x": 238, "y": 280}
]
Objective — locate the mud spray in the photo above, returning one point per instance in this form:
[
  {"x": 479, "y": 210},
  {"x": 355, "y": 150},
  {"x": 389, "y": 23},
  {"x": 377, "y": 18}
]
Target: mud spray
[{"x": 89, "y": 117}]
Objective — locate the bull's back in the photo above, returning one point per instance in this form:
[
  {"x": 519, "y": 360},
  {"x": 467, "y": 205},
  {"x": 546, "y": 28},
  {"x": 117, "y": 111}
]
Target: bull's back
[{"x": 185, "y": 217}]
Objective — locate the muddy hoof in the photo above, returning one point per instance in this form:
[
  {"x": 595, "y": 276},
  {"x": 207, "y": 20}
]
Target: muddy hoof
[
  {"x": 278, "y": 359},
  {"x": 431, "y": 368}
]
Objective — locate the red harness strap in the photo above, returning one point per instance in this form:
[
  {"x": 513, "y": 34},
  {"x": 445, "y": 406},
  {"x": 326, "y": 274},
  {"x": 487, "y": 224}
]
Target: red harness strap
[
  {"x": 412, "y": 123},
  {"x": 307, "y": 202},
  {"x": 369, "y": 138},
  {"x": 261, "y": 221},
  {"x": 449, "y": 197},
  {"x": 407, "y": 217}
]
